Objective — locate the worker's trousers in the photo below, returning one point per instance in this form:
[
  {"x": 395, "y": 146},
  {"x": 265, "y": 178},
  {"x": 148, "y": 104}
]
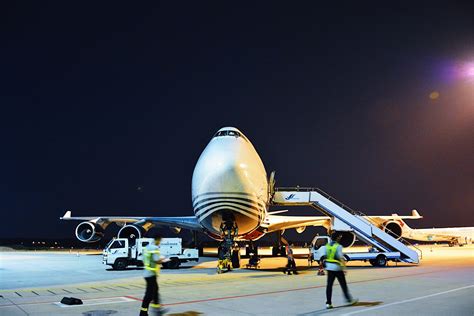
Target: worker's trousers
[
  {"x": 151, "y": 292},
  {"x": 291, "y": 265},
  {"x": 342, "y": 281}
]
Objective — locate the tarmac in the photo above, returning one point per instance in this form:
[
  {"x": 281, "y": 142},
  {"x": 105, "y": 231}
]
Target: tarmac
[{"x": 34, "y": 283}]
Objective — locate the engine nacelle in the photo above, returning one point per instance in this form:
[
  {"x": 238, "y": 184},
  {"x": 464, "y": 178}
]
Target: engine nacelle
[
  {"x": 89, "y": 232},
  {"x": 347, "y": 239},
  {"x": 393, "y": 228},
  {"x": 301, "y": 229},
  {"x": 131, "y": 232}
]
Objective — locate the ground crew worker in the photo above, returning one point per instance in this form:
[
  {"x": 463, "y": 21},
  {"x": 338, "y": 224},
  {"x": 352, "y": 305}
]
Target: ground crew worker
[
  {"x": 335, "y": 267},
  {"x": 291, "y": 265},
  {"x": 152, "y": 261}
]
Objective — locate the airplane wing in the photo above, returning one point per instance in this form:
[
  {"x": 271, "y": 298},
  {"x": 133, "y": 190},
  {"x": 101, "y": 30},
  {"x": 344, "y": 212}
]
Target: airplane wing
[
  {"x": 277, "y": 222},
  {"x": 186, "y": 222},
  {"x": 379, "y": 220}
]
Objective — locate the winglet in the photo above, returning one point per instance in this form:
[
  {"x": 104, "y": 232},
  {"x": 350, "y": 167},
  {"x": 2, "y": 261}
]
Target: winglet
[
  {"x": 415, "y": 213},
  {"x": 66, "y": 215}
]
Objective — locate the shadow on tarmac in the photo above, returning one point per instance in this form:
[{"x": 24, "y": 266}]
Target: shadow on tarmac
[
  {"x": 324, "y": 311},
  {"x": 141, "y": 268},
  {"x": 123, "y": 270},
  {"x": 377, "y": 268},
  {"x": 280, "y": 269}
]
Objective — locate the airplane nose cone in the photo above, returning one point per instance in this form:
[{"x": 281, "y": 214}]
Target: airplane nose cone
[
  {"x": 229, "y": 184},
  {"x": 229, "y": 165}
]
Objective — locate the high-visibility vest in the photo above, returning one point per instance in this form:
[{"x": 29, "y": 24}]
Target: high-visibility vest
[
  {"x": 148, "y": 261},
  {"x": 331, "y": 253}
]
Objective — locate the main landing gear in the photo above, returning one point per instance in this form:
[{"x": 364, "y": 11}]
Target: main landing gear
[
  {"x": 228, "y": 251},
  {"x": 251, "y": 249},
  {"x": 279, "y": 250}
]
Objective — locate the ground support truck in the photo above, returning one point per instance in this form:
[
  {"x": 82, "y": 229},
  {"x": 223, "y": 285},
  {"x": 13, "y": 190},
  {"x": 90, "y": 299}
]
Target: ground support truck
[
  {"x": 119, "y": 253},
  {"x": 317, "y": 252}
]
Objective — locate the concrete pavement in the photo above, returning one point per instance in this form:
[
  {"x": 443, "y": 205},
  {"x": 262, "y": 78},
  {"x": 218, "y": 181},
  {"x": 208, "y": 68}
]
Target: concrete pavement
[{"x": 442, "y": 284}]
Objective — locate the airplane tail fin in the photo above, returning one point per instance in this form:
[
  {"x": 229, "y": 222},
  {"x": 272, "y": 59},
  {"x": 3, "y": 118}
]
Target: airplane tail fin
[{"x": 414, "y": 215}]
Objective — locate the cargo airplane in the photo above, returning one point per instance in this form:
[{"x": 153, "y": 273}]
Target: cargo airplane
[{"x": 231, "y": 196}]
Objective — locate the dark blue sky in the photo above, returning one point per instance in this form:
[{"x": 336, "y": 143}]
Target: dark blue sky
[{"x": 98, "y": 100}]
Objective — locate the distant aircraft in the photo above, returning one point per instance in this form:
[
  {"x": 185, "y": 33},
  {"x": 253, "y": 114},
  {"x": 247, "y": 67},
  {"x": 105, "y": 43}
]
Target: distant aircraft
[
  {"x": 453, "y": 235},
  {"x": 231, "y": 195}
]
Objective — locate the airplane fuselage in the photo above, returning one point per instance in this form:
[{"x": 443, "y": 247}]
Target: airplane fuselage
[
  {"x": 463, "y": 235},
  {"x": 229, "y": 185}
]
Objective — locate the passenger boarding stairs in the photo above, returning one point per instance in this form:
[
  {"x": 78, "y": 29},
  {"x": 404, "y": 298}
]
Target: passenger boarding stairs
[{"x": 344, "y": 219}]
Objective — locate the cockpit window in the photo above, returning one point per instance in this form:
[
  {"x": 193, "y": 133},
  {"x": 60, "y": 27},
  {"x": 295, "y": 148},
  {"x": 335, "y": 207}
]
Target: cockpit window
[
  {"x": 228, "y": 133},
  {"x": 235, "y": 134}
]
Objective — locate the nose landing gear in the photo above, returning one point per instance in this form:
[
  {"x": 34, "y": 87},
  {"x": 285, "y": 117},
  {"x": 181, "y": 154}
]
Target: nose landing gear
[{"x": 228, "y": 251}]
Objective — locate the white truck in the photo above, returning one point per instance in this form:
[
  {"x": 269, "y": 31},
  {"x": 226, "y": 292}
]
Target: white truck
[
  {"x": 119, "y": 254},
  {"x": 317, "y": 252}
]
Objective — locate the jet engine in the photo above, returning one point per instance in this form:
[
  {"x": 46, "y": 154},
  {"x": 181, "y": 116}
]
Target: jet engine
[
  {"x": 347, "y": 239},
  {"x": 133, "y": 231},
  {"x": 393, "y": 228},
  {"x": 89, "y": 232},
  {"x": 301, "y": 229}
]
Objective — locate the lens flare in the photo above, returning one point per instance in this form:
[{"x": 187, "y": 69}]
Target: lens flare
[
  {"x": 467, "y": 70},
  {"x": 458, "y": 71}
]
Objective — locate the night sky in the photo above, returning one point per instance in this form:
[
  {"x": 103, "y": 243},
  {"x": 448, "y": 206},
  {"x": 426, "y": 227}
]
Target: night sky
[{"x": 105, "y": 108}]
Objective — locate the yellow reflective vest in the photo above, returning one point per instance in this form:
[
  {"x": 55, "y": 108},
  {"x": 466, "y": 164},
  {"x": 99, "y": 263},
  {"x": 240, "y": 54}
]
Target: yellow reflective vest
[
  {"x": 148, "y": 261},
  {"x": 331, "y": 253}
]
